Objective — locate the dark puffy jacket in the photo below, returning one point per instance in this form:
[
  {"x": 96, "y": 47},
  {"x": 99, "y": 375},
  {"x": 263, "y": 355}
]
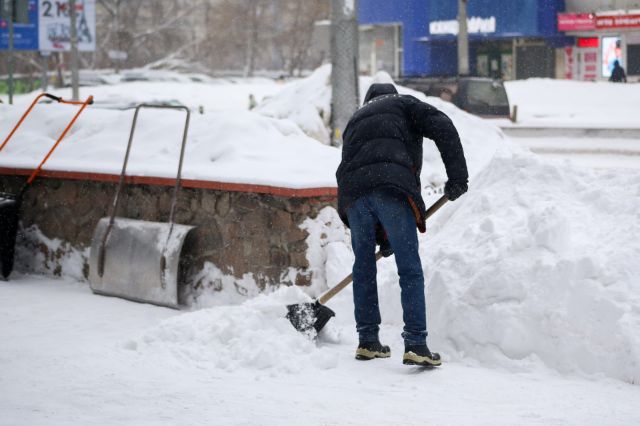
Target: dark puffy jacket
[{"x": 382, "y": 148}]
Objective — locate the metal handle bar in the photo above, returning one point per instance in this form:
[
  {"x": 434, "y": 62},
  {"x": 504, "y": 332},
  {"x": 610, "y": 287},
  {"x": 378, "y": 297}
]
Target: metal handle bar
[{"x": 116, "y": 200}]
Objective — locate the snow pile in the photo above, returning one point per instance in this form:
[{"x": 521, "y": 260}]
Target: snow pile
[
  {"x": 212, "y": 287},
  {"x": 329, "y": 250},
  {"x": 237, "y": 147},
  {"x": 254, "y": 335},
  {"x": 562, "y": 103},
  {"x": 147, "y": 86},
  {"x": 306, "y": 102},
  {"x": 38, "y": 253}
]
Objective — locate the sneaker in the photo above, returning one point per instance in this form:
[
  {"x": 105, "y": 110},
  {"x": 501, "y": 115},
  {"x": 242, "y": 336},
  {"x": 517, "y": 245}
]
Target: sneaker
[
  {"x": 370, "y": 350},
  {"x": 420, "y": 355}
]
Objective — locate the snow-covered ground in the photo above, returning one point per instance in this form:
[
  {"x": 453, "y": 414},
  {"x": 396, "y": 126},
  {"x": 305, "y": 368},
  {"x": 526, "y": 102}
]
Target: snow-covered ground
[
  {"x": 546, "y": 103},
  {"x": 532, "y": 290},
  {"x": 69, "y": 358}
]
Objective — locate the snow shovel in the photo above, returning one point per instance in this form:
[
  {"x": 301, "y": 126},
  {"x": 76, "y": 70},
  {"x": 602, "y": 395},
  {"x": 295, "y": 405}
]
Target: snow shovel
[
  {"x": 134, "y": 259},
  {"x": 10, "y": 203},
  {"x": 306, "y": 317}
]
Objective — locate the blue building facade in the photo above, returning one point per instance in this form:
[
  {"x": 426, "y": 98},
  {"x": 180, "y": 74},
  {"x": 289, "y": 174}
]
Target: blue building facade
[{"x": 509, "y": 39}]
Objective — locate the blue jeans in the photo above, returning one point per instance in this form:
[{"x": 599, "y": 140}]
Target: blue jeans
[{"x": 397, "y": 218}]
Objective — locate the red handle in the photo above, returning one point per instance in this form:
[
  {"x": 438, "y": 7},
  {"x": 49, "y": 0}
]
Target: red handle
[{"x": 84, "y": 104}]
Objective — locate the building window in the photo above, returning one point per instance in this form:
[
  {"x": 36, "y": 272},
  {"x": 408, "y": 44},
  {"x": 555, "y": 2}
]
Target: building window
[{"x": 633, "y": 59}]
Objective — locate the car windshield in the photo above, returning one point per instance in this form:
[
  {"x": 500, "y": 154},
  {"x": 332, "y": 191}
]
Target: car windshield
[{"x": 487, "y": 93}]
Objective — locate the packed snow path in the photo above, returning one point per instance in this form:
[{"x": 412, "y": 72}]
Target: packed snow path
[{"x": 70, "y": 357}]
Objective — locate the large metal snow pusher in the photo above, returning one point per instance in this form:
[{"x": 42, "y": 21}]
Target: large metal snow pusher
[
  {"x": 135, "y": 259},
  {"x": 10, "y": 204}
]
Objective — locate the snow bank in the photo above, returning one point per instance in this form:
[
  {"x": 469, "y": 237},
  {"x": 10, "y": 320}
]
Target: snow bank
[
  {"x": 562, "y": 103},
  {"x": 213, "y": 95},
  {"x": 306, "y": 102},
  {"x": 237, "y": 147},
  {"x": 539, "y": 261}
]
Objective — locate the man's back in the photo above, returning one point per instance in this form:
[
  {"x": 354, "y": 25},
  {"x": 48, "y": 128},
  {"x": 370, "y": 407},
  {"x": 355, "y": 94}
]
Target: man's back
[{"x": 383, "y": 148}]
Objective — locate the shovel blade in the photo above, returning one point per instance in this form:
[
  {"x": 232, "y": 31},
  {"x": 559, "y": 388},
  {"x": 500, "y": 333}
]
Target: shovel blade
[
  {"x": 141, "y": 260},
  {"x": 9, "y": 207},
  {"x": 307, "y": 317}
]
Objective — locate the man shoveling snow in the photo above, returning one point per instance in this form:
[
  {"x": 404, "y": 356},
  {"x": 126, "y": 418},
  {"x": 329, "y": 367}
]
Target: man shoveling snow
[{"x": 379, "y": 199}]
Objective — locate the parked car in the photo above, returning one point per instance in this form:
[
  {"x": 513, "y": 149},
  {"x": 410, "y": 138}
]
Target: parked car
[{"x": 481, "y": 96}]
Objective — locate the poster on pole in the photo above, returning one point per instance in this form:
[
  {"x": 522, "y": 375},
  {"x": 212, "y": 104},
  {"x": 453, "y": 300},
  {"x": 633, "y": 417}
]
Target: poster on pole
[{"x": 54, "y": 22}]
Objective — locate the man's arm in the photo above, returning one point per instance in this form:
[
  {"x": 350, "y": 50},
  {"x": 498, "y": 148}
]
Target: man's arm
[{"x": 435, "y": 125}]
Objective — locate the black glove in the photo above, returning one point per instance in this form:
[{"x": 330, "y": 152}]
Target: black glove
[
  {"x": 383, "y": 241},
  {"x": 453, "y": 190}
]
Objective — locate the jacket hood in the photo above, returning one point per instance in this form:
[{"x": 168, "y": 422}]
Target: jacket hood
[{"x": 379, "y": 89}]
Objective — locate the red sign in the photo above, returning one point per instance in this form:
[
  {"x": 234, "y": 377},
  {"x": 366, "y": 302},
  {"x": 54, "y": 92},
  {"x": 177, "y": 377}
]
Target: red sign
[
  {"x": 576, "y": 21},
  {"x": 588, "y": 42},
  {"x": 618, "y": 21}
]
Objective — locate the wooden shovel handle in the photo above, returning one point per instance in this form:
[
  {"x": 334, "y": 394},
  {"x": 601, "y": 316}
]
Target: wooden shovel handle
[{"x": 324, "y": 297}]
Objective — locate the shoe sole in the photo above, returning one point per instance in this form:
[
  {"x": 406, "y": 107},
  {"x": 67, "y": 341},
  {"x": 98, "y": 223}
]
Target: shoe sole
[
  {"x": 367, "y": 355},
  {"x": 411, "y": 358}
]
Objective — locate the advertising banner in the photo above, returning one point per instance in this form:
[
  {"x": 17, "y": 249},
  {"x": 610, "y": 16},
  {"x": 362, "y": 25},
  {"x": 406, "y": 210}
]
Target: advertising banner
[
  {"x": 55, "y": 25},
  {"x": 611, "y": 52}
]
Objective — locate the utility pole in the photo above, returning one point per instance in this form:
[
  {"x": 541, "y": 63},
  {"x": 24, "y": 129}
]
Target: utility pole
[
  {"x": 252, "y": 38},
  {"x": 344, "y": 66},
  {"x": 463, "y": 39},
  {"x": 44, "y": 61},
  {"x": 75, "y": 80},
  {"x": 118, "y": 44},
  {"x": 9, "y": 5}
]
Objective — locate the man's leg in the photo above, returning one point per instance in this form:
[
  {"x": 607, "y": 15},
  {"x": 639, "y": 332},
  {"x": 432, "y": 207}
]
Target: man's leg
[
  {"x": 399, "y": 222},
  {"x": 365, "y": 291}
]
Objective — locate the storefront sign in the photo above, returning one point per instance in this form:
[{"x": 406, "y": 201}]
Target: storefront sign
[
  {"x": 475, "y": 25},
  {"x": 615, "y": 21},
  {"x": 576, "y": 21}
]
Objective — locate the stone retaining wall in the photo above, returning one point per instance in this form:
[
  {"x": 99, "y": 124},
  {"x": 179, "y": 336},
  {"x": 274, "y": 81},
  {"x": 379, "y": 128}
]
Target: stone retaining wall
[{"x": 238, "y": 232}]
